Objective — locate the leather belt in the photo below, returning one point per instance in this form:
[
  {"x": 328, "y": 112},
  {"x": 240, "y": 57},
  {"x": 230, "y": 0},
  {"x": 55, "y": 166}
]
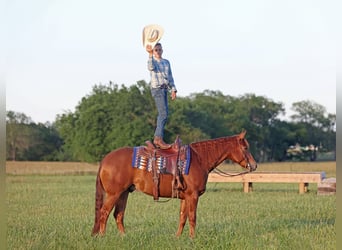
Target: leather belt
[{"x": 164, "y": 86}]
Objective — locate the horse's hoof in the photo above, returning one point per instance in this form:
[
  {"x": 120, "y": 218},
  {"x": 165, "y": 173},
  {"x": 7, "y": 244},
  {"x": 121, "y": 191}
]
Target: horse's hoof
[{"x": 96, "y": 235}]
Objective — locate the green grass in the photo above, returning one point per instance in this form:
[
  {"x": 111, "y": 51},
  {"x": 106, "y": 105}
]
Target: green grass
[{"x": 57, "y": 212}]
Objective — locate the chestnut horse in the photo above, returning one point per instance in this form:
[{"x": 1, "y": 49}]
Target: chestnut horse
[{"x": 116, "y": 178}]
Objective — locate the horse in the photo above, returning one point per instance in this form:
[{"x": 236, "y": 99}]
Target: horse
[{"x": 116, "y": 178}]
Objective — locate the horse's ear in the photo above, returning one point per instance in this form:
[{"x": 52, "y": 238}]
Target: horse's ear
[{"x": 242, "y": 134}]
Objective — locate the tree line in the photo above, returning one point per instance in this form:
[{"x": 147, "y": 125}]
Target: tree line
[{"x": 113, "y": 116}]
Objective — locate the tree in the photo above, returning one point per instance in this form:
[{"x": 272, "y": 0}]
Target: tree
[
  {"x": 26, "y": 140},
  {"x": 184, "y": 121},
  {"x": 313, "y": 113},
  {"x": 44, "y": 143},
  {"x": 257, "y": 115},
  {"x": 203, "y": 113},
  {"x": 108, "y": 118},
  {"x": 111, "y": 117},
  {"x": 17, "y": 134},
  {"x": 318, "y": 127}
]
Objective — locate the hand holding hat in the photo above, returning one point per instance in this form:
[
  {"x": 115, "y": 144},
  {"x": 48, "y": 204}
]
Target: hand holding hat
[{"x": 149, "y": 49}]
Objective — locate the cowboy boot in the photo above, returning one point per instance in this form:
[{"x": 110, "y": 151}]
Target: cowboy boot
[{"x": 158, "y": 141}]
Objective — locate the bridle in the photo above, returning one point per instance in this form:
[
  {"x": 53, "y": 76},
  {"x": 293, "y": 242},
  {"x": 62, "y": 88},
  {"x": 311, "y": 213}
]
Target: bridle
[
  {"x": 226, "y": 174},
  {"x": 248, "y": 165}
]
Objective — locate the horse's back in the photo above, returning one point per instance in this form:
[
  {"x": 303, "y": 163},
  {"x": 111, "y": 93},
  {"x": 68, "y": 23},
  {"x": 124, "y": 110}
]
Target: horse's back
[{"x": 121, "y": 154}]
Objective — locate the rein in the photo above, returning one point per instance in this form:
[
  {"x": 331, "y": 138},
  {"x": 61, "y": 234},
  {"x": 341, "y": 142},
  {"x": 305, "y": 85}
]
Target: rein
[
  {"x": 163, "y": 201},
  {"x": 225, "y": 174}
]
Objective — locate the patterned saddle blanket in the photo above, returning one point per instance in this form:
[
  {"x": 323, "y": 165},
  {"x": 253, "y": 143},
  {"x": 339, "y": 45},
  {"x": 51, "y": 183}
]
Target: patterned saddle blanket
[{"x": 166, "y": 161}]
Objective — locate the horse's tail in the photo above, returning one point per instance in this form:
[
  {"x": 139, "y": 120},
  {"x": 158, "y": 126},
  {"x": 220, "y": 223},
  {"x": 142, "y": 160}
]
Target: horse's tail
[{"x": 99, "y": 195}]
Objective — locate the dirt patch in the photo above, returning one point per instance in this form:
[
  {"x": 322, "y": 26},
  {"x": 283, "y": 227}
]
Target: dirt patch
[{"x": 33, "y": 167}]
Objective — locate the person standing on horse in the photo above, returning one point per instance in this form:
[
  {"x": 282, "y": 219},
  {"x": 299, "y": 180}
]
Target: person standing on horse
[{"x": 161, "y": 80}]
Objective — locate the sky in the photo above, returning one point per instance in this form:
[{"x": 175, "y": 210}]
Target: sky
[{"x": 56, "y": 51}]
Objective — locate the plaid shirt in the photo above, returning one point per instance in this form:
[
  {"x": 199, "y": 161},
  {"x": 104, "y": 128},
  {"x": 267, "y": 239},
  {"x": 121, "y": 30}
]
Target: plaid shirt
[{"x": 160, "y": 73}]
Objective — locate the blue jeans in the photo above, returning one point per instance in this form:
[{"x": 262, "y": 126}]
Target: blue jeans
[{"x": 160, "y": 98}]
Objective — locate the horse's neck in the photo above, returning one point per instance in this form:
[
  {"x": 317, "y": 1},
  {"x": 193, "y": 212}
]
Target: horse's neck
[{"x": 213, "y": 152}]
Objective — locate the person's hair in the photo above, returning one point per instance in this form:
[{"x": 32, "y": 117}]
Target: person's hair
[{"x": 158, "y": 44}]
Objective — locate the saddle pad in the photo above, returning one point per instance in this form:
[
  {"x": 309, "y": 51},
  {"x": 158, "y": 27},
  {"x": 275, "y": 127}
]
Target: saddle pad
[{"x": 143, "y": 160}]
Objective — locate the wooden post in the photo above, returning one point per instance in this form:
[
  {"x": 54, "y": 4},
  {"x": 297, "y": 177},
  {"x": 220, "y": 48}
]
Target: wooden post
[
  {"x": 306, "y": 187},
  {"x": 303, "y": 187},
  {"x": 247, "y": 187}
]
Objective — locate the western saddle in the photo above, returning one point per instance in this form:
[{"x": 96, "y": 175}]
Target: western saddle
[{"x": 172, "y": 155}]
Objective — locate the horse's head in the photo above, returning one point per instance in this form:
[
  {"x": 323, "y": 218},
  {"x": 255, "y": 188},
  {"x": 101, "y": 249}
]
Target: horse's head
[{"x": 241, "y": 155}]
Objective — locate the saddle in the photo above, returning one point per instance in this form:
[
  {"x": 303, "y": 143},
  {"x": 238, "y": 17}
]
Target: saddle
[{"x": 163, "y": 161}]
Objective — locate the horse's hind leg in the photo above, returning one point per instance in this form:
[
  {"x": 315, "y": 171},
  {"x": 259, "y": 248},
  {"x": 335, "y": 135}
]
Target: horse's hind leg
[
  {"x": 183, "y": 215},
  {"x": 120, "y": 211},
  {"x": 105, "y": 211}
]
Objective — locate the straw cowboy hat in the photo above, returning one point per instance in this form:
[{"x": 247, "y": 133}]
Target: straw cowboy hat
[{"x": 152, "y": 34}]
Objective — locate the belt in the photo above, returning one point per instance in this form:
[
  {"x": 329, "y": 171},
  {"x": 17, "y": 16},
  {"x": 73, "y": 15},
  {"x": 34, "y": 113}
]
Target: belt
[{"x": 164, "y": 86}]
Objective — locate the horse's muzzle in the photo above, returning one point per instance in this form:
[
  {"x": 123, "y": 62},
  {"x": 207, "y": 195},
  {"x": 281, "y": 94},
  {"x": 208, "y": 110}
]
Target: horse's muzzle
[{"x": 251, "y": 167}]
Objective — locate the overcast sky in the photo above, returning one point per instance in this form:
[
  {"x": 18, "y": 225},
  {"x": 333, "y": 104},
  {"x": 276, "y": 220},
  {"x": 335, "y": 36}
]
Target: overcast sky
[{"x": 56, "y": 51}]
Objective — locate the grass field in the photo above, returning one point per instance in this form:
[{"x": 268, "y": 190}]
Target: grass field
[{"x": 55, "y": 210}]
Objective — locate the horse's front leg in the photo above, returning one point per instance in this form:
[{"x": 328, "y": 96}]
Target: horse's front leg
[
  {"x": 192, "y": 211},
  {"x": 183, "y": 215}
]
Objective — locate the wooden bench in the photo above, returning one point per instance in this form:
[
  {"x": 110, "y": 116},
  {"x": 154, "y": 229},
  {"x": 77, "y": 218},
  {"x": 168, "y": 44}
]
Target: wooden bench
[{"x": 303, "y": 178}]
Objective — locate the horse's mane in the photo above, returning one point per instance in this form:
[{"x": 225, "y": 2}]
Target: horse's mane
[
  {"x": 216, "y": 141},
  {"x": 209, "y": 150}
]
